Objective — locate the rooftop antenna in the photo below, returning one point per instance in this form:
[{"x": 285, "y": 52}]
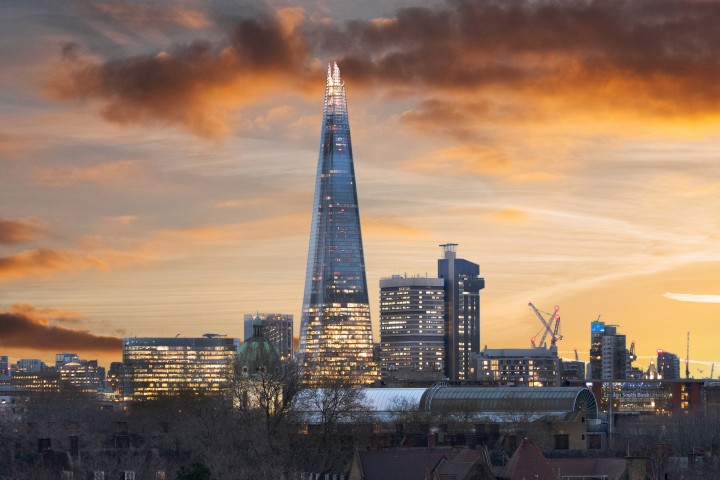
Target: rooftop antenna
[{"x": 687, "y": 357}]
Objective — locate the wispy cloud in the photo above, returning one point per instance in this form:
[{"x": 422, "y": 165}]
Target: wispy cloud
[
  {"x": 153, "y": 16},
  {"x": 690, "y": 297},
  {"x": 44, "y": 261},
  {"x": 113, "y": 173},
  {"x": 18, "y": 231}
]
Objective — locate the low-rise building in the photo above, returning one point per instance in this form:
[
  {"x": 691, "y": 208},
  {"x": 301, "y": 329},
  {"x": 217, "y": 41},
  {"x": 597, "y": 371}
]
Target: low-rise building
[{"x": 528, "y": 367}]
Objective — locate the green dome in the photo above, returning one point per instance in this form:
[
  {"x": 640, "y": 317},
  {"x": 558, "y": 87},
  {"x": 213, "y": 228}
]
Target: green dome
[{"x": 257, "y": 353}]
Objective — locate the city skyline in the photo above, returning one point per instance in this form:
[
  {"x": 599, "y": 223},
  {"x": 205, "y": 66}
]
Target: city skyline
[{"x": 158, "y": 162}]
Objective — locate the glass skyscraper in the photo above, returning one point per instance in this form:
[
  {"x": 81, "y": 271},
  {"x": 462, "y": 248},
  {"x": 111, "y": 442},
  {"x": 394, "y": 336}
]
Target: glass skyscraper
[{"x": 335, "y": 332}]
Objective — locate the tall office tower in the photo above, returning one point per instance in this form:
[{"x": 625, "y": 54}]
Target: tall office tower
[
  {"x": 668, "y": 365},
  {"x": 277, "y": 329},
  {"x": 157, "y": 367},
  {"x": 608, "y": 353},
  {"x": 412, "y": 314},
  {"x": 335, "y": 332},
  {"x": 4, "y": 365},
  {"x": 462, "y": 312}
]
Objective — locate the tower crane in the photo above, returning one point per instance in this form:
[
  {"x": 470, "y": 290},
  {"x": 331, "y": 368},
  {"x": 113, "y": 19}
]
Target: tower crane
[{"x": 553, "y": 331}]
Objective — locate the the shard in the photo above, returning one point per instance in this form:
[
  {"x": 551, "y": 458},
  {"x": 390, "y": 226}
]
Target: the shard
[{"x": 336, "y": 332}]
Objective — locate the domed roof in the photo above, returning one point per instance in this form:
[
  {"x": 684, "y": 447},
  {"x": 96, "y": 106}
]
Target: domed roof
[{"x": 257, "y": 353}]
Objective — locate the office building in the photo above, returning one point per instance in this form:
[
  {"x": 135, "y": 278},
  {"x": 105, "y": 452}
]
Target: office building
[
  {"x": 335, "y": 333},
  {"x": 668, "y": 365},
  {"x": 572, "y": 371},
  {"x": 4, "y": 365},
  {"x": 115, "y": 378},
  {"x": 43, "y": 381},
  {"x": 63, "y": 358},
  {"x": 462, "y": 312},
  {"x": 29, "y": 365},
  {"x": 277, "y": 329},
  {"x": 157, "y": 367},
  {"x": 412, "y": 316},
  {"x": 524, "y": 367},
  {"x": 609, "y": 359},
  {"x": 85, "y": 375}
]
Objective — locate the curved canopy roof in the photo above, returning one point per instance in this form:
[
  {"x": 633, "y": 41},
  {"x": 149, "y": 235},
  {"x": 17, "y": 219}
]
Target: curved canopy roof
[
  {"x": 511, "y": 399},
  {"x": 393, "y": 399}
]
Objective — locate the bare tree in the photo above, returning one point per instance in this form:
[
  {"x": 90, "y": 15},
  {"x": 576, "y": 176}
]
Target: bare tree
[{"x": 270, "y": 391}]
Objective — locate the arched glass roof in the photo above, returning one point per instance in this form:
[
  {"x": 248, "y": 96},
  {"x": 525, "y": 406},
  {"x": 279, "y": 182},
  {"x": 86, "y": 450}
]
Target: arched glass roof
[
  {"x": 510, "y": 399},
  {"x": 393, "y": 399}
]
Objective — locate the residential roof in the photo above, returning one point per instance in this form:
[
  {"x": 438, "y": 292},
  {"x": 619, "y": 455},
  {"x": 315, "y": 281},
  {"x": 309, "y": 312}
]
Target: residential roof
[
  {"x": 611, "y": 467},
  {"x": 528, "y": 462},
  {"x": 405, "y": 464}
]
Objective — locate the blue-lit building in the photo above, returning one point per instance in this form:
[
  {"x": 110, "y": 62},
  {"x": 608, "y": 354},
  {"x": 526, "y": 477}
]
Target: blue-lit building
[
  {"x": 335, "y": 333},
  {"x": 609, "y": 359},
  {"x": 462, "y": 313}
]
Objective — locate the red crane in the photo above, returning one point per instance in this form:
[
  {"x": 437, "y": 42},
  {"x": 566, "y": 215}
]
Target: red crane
[{"x": 550, "y": 329}]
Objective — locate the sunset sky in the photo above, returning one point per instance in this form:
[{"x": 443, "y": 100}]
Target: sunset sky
[{"x": 157, "y": 163}]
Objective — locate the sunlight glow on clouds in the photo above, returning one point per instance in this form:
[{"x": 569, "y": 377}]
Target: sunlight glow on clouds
[{"x": 689, "y": 297}]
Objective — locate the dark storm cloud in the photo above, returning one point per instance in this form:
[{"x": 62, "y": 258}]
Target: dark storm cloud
[
  {"x": 26, "y": 327},
  {"x": 191, "y": 85},
  {"x": 474, "y": 43},
  {"x": 649, "y": 57}
]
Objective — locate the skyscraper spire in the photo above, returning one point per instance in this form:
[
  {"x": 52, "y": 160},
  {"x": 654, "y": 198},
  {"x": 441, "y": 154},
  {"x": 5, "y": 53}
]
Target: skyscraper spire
[{"x": 335, "y": 331}]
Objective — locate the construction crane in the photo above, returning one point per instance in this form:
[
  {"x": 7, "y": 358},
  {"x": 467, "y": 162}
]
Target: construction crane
[
  {"x": 633, "y": 357},
  {"x": 576, "y": 355},
  {"x": 553, "y": 331}
]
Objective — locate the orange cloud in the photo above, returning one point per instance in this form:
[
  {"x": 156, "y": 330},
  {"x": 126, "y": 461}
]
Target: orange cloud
[
  {"x": 387, "y": 226},
  {"x": 42, "y": 316},
  {"x": 18, "y": 231},
  {"x": 11, "y": 144},
  {"x": 24, "y": 326},
  {"x": 462, "y": 160},
  {"x": 197, "y": 85},
  {"x": 44, "y": 261},
  {"x": 508, "y": 215},
  {"x": 114, "y": 173}
]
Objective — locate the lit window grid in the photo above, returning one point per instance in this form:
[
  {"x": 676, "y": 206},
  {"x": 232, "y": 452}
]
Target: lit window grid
[
  {"x": 336, "y": 333},
  {"x": 411, "y": 328},
  {"x": 154, "y": 369},
  {"x": 531, "y": 372}
]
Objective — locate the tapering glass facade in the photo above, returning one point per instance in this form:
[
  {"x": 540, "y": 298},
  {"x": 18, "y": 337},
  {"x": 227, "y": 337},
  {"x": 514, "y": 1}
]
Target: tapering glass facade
[{"x": 336, "y": 333}]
